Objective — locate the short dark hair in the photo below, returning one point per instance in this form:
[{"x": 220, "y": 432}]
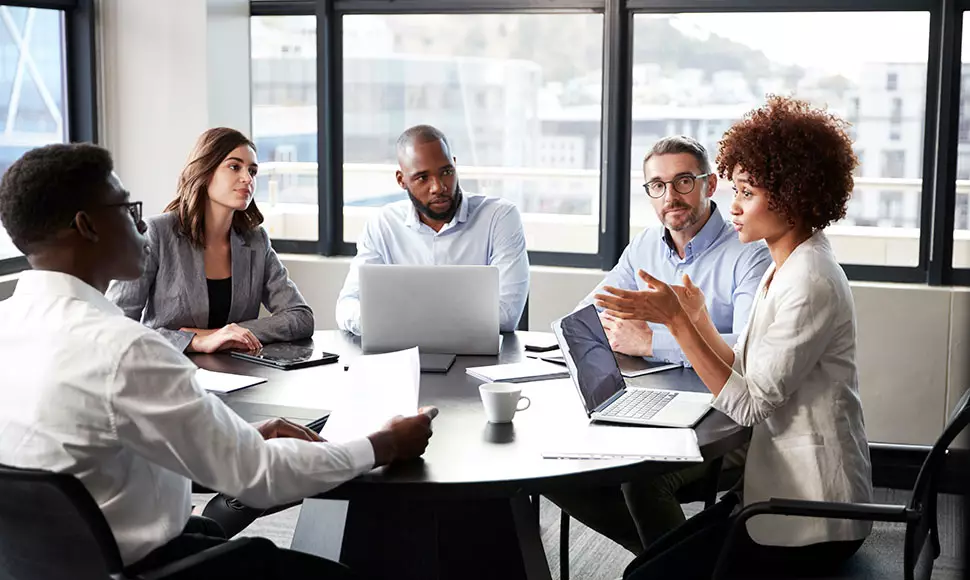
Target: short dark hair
[
  {"x": 800, "y": 154},
  {"x": 420, "y": 134},
  {"x": 676, "y": 144},
  {"x": 43, "y": 190}
]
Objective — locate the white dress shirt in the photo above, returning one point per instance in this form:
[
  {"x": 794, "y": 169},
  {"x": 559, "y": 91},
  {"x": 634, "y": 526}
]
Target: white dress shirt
[
  {"x": 795, "y": 380},
  {"x": 89, "y": 392},
  {"x": 486, "y": 231}
]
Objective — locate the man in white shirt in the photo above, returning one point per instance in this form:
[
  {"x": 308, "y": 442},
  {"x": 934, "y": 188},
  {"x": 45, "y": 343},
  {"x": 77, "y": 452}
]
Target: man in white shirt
[
  {"x": 91, "y": 393},
  {"x": 440, "y": 225}
]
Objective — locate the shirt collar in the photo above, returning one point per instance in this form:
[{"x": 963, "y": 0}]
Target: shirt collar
[
  {"x": 413, "y": 220},
  {"x": 47, "y": 283},
  {"x": 704, "y": 238}
]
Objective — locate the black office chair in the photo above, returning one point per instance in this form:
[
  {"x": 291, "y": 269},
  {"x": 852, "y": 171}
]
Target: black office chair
[
  {"x": 50, "y": 527},
  {"x": 919, "y": 514},
  {"x": 524, "y": 320},
  {"x": 705, "y": 490}
]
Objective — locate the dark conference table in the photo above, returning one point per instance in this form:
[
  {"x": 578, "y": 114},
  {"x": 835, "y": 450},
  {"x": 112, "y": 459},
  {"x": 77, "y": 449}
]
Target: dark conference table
[{"x": 463, "y": 509}]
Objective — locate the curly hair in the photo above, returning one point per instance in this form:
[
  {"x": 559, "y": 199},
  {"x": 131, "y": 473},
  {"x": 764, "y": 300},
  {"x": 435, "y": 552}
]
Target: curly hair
[
  {"x": 42, "y": 191},
  {"x": 800, "y": 154}
]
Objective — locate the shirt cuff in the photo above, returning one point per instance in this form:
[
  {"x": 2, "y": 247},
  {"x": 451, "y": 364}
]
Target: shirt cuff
[
  {"x": 666, "y": 349},
  {"x": 362, "y": 453}
]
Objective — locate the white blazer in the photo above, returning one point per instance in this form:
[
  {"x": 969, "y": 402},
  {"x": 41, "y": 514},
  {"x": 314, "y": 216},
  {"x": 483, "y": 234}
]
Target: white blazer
[{"x": 795, "y": 380}]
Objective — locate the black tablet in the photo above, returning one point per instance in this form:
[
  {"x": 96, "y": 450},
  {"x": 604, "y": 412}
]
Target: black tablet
[{"x": 288, "y": 355}]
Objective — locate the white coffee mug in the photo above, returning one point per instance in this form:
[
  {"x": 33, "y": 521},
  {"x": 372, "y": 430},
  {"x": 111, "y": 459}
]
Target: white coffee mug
[{"x": 501, "y": 401}]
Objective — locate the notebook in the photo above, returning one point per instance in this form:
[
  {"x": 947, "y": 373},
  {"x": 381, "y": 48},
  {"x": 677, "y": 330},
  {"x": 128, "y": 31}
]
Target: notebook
[
  {"x": 521, "y": 372},
  {"x": 214, "y": 382},
  {"x": 615, "y": 442}
]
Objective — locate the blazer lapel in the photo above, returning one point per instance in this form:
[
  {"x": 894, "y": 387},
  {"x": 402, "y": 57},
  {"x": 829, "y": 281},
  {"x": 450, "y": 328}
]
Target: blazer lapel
[
  {"x": 242, "y": 260},
  {"x": 196, "y": 293}
]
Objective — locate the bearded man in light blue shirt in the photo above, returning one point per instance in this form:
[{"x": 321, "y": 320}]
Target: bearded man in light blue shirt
[
  {"x": 695, "y": 239},
  {"x": 440, "y": 225}
]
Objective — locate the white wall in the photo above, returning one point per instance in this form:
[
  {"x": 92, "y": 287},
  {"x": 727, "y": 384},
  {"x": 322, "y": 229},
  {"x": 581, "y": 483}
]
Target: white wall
[{"x": 159, "y": 67}]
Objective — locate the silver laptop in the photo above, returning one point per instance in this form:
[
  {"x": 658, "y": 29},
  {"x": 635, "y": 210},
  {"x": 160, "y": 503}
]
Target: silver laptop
[
  {"x": 440, "y": 309},
  {"x": 601, "y": 385}
]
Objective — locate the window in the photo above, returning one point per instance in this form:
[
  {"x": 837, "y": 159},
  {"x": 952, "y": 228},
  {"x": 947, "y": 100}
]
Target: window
[
  {"x": 961, "y": 218},
  {"x": 32, "y": 89},
  {"x": 891, "y": 81},
  {"x": 284, "y": 82},
  {"x": 517, "y": 95},
  {"x": 692, "y": 72}
]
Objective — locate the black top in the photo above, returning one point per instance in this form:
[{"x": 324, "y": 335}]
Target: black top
[{"x": 220, "y": 299}]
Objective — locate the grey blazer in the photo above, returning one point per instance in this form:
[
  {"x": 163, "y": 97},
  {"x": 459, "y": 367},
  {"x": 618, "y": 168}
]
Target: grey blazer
[{"x": 172, "y": 292}]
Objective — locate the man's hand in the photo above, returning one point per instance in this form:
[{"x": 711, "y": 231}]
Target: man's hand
[
  {"x": 229, "y": 337},
  {"x": 631, "y": 337},
  {"x": 403, "y": 438},
  {"x": 281, "y": 428}
]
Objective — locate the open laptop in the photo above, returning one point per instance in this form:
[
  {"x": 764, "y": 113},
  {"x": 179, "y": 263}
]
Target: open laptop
[
  {"x": 601, "y": 385},
  {"x": 439, "y": 309}
]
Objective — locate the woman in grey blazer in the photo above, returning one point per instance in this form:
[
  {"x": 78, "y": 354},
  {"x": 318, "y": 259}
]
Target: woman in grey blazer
[{"x": 210, "y": 263}]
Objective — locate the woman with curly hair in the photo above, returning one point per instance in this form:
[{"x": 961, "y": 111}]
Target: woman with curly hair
[{"x": 792, "y": 375}]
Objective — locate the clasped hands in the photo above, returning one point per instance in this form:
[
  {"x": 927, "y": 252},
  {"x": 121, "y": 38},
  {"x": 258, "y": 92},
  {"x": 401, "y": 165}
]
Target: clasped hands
[{"x": 659, "y": 303}]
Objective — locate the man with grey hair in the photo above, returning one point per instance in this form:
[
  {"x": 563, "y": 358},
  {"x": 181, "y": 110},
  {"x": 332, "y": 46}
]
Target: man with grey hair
[
  {"x": 693, "y": 239},
  {"x": 440, "y": 225}
]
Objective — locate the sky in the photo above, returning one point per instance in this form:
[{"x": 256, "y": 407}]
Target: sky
[{"x": 837, "y": 42}]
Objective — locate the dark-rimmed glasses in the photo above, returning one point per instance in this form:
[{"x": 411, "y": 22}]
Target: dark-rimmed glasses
[
  {"x": 682, "y": 184},
  {"x": 133, "y": 207}
]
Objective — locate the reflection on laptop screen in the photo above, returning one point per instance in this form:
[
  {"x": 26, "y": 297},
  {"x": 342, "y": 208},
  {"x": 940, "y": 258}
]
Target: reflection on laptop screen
[{"x": 597, "y": 373}]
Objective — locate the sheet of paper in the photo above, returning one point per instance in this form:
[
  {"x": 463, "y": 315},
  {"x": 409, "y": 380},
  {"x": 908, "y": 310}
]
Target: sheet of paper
[
  {"x": 377, "y": 387},
  {"x": 225, "y": 382},
  {"x": 624, "y": 442},
  {"x": 527, "y": 370}
]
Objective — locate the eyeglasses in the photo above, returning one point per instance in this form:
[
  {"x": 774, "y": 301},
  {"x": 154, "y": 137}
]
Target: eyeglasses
[
  {"x": 133, "y": 207},
  {"x": 682, "y": 184}
]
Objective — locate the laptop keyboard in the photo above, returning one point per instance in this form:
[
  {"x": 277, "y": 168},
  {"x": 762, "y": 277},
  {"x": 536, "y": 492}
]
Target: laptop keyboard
[{"x": 639, "y": 404}]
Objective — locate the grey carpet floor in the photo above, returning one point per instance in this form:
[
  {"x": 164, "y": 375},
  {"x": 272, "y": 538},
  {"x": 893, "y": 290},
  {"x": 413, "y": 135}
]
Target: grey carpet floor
[{"x": 593, "y": 557}]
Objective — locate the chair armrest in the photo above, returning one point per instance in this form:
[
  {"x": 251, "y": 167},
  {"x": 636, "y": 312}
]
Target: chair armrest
[
  {"x": 213, "y": 562},
  {"x": 806, "y": 508},
  {"x": 829, "y": 509}
]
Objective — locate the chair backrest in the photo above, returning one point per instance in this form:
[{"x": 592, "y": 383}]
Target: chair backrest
[
  {"x": 50, "y": 527},
  {"x": 524, "y": 320},
  {"x": 927, "y": 480}
]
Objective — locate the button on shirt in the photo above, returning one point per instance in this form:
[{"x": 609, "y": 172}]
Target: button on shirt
[
  {"x": 486, "y": 231},
  {"x": 726, "y": 270},
  {"x": 91, "y": 393}
]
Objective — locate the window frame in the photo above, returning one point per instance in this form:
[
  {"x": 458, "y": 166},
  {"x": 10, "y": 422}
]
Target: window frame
[
  {"x": 80, "y": 60},
  {"x": 937, "y": 198}
]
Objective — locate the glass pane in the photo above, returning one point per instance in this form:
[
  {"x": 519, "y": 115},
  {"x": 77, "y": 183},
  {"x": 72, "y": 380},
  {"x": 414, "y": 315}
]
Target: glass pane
[
  {"x": 961, "y": 221},
  {"x": 284, "y": 93},
  {"x": 32, "y": 95},
  {"x": 697, "y": 74},
  {"x": 517, "y": 95}
]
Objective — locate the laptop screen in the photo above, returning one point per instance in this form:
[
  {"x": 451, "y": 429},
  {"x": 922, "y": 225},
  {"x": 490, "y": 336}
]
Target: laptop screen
[{"x": 589, "y": 357}]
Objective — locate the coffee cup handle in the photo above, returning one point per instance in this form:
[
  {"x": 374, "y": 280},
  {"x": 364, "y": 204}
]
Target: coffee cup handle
[{"x": 528, "y": 403}]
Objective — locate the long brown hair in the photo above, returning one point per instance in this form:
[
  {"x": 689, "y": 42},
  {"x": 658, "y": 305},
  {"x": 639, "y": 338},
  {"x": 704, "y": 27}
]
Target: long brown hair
[{"x": 189, "y": 204}]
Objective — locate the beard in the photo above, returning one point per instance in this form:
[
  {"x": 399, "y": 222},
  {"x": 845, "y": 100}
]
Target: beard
[
  {"x": 438, "y": 216},
  {"x": 685, "y": 221}
]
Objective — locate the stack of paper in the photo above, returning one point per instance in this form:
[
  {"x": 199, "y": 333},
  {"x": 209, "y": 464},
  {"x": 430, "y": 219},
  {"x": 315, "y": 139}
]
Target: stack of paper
[
  {"x": 224, "y": 382},
  {"x": 527, "y": 371},
  {"x": 378, "y": 387},
  {"x": 621, "y": 442}
]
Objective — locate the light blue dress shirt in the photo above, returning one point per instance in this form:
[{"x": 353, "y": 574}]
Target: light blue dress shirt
[
  {"x": 486, "y": 231},
  {"x": 727, "y": 271}
]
